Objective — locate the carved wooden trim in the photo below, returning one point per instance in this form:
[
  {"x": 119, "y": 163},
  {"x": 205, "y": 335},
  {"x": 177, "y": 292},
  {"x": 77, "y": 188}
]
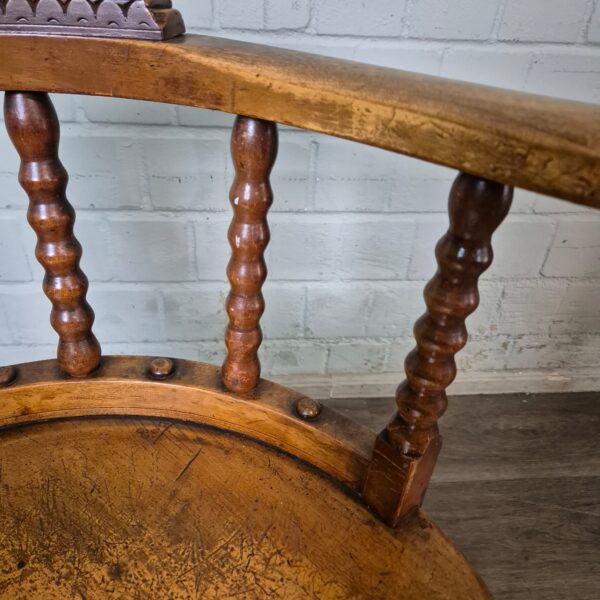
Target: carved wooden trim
[
  {"x": 141, "y": 19},
  {"x": 406, "y": 451},
  {"x": 254, "y": 148},
  {"x": 34, "y": 130}
]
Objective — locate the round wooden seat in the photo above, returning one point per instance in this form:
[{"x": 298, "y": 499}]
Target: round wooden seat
[
  {"x": 148, "y": 507},
  {"x": 144, "y": 508}
]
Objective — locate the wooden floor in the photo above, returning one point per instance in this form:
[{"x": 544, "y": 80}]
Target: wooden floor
[{"x": 517, "y": 489}]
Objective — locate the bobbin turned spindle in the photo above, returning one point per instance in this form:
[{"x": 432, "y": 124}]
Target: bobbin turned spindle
[
  {"x": 254, "y": 149},
  {"x": 411, "y": 442},
  {"x": 34, "y": 130}
]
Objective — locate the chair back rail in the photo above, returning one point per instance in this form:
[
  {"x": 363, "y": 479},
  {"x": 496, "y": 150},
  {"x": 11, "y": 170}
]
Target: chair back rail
[
  {"x": 496, "y": 139},
  {"x": 537, "y": 143}
]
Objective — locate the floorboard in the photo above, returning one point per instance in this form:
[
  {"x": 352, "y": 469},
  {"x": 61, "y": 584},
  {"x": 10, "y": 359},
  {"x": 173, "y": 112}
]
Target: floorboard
[{"x": 517, "y": 488}]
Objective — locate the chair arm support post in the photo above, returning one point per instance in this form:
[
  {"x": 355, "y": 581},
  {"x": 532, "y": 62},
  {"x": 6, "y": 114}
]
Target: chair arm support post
[{"x": 406, "y": 451}]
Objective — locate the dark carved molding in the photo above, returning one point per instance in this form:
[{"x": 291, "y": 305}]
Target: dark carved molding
[{"x": 142, "y": 19}]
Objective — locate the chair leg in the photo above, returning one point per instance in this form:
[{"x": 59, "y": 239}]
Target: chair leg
[
  {"x": 254, "y": 149},
  {"x": 33, "y": 127},
  {"x": 406, "y": 451}
]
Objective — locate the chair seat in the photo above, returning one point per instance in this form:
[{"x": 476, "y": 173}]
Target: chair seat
[{"x": 130, "y": 507}]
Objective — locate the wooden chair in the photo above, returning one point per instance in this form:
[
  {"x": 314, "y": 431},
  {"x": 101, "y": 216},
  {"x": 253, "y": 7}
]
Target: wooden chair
[{"x": 133, "y": 477}]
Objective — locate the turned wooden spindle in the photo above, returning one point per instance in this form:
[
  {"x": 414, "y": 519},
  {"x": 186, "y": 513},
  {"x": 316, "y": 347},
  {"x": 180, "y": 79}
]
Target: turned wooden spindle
[
  {"x": 34, "y": 130},
  {"x": 411, "y": 441},
  {"x": 254, "y": 149}
]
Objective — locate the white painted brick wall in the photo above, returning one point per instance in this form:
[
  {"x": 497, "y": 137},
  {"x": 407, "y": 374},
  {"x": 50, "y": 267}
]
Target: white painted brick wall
[{"x": 353, "y": 228}]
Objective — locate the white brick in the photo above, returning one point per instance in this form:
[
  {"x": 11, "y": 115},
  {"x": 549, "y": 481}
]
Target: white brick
[
  {"x": 547, "y": 21},
  {"x": 292, "y": 358},
  {"x": 66, "y": 106},
  {"x": 524, "y": 201},
  {"x": 94, "y": 235},
  {"x": 593, "y": 34},
  {"x": 241, "y": 15},
  {"x": 187, "y": 174},
  {"x": 575, "y": 251},
  {"x": 519, "y": 249},
  {"x": 284, "y": 312},
  {"x": 103, "y": 171},
  {"x": 570, "y": 74},
  {"x": 15, "y": 265},
  {"x": 361, "y": 356},
  {"x": 479, "y": 324},
  {"x": 118, "y": 110},
  {"x": 579, "y": 310},
  {"x": 290, "y": 175},
  {"x": 10, "y": 355},
  {"x": 408, "y": 57},
  {"x": 337, "y": 310},
  {"x": 199, "y": 117},
  {"x": 28, "y": 314},
  {"x": 337, "y": 297},
  {"x": 496, "y": 66},
  {"x": 419, "y": 186},
  {"x": 329, "y": 47},
  {"x": 9, "y": 159},
  {"x": 352, "y": 176},
  {"x": 212, "y": 248},
  {"x": 7, "y": 336},
  {"x": 151, "y": 250},
  {"x": 208, "y": 352},
  {"x": 488, "y": 354},
  {"x": 377, "y": 248},
  {"x": 195, "y": 312},
  {"x": 548, "y": 205},
  {"x": 12, "y": 193},
  {"x": 197, "y": 15},
  {"x": 126, "y": 313},
  {"x": 358, "y": 17},
  {"x": 287, "y": 14},
  {"x": 563, "y": 352},
  {"x": 299, "y": 248},
  {"x": 461, "y": 19},
  {"x": 397, "y": 352},
  {"x": 395, "y": 308},
  {"x": 528, "y": 307},
  {"x": 302, "y": 249}
]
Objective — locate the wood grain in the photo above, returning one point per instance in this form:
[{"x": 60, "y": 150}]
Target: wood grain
[
  {"x": 407, "y": 449},
  {"x": 135, "y": 508},
  {"x": 34, "y": 130},
  {"x": 529, "y": 538},
  {"x": 122, "y": 386},
  {"x": 476, "y": 208},
  {"x": 253, "y": 148},
  {"x": 545, "y": 145}
]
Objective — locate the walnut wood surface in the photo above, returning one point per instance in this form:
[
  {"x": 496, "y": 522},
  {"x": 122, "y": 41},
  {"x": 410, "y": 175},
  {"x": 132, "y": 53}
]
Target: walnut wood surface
[
  {"x": 150, "y": 20},
  {"x": 476, "y": 209},
  {"x": 541, "y": 144},
  {"x": 34, "y": 130},
  {"x": 411, "y": 441},
  {"x": 140, "y": 508},
  {"x": 253, "y": 148}
]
